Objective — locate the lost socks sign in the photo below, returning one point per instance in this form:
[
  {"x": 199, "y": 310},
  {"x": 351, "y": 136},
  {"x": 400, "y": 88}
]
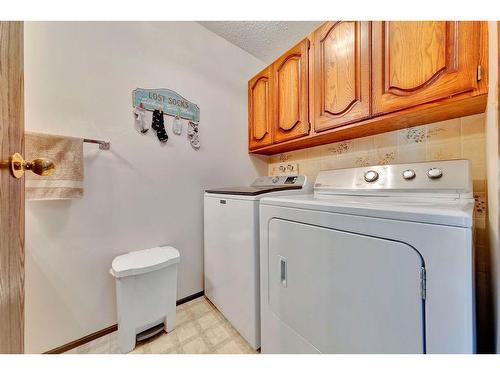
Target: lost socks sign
[{"x": 167, "y": 100}]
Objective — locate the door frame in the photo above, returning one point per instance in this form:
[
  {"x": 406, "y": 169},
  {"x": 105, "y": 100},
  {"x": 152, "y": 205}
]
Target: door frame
[{"x": 11, "y": 189}]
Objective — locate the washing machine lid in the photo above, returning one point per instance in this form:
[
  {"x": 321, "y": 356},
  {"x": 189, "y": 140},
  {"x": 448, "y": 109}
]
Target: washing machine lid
[
  {"x": 251, "y": 190},
  {"x": 143, "y": 261},
  {"x": 263, "y": 185}
]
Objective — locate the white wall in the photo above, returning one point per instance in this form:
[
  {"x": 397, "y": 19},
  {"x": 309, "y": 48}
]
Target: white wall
[
  {"x": 492, "y": 169},
  {"x": 78, "y": 81}
]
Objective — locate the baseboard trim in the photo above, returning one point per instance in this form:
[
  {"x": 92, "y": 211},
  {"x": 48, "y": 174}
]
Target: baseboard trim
[
  {"x": 83, "y": 340},
  {"x": 106, "y": 331},
  {"x": 190, "y": 298}
]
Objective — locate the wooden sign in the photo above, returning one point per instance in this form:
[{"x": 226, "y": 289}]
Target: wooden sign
[{"x": 172, "y": 103}]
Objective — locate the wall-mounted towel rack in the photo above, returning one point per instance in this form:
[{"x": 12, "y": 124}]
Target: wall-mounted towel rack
[{"x": 103, "y": 145}]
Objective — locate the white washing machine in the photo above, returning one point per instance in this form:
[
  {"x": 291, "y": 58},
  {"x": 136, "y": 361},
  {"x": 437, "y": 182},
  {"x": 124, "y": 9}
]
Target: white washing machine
[
  {"x": 231, "y": 249},
  {"x": 378, "y": 260}
]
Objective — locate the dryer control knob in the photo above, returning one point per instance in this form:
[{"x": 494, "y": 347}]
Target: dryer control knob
[
  {"x": 434, "y": 173},
  {"x": 371, "y": 176},
  {"x": 409, "y": 174}
]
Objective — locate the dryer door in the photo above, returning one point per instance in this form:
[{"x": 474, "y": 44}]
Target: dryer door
[{"x": 345, "y": 292}]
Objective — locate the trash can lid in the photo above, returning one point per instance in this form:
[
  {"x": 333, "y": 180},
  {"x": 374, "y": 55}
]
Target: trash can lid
[{"x": 142, "y": 261}]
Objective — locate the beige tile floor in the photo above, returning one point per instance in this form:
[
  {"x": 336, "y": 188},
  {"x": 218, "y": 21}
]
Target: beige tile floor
[{"x": 201, "y": 329}]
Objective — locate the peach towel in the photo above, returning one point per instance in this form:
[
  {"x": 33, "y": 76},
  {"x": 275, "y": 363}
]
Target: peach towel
[{"x": 67, "y": 155}]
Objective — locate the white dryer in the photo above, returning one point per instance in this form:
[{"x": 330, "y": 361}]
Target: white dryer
[
  {"x": 378, "y": 260},
  {"x": 231, "y": 249}
]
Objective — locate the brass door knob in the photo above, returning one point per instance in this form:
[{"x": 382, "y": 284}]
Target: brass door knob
[{"x": 41, "y": 166}]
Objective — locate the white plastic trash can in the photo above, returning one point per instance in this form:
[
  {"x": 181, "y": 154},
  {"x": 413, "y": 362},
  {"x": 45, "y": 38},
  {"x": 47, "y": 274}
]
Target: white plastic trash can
[{"x": 146, "y": 293}]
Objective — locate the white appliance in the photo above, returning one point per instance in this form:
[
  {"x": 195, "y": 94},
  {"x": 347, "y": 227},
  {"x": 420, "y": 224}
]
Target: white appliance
[
  {"x": 378, "y": 260},
  {"x": 231, "y": 254}
]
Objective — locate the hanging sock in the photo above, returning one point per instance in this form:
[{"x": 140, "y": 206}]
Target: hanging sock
[
  {"x": 140, "y": 120},
  {"x": 157, "y": 120},
  {"x": 177, "y": 125},
  {"x": 195, "y": 142},
  {"x": 193, "y": 136},
  {"x": 192, "y": 129},
  {"x": 159, "y": 126}
]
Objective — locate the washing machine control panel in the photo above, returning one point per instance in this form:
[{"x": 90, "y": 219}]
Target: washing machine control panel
[{"x": 280, "y": 180}]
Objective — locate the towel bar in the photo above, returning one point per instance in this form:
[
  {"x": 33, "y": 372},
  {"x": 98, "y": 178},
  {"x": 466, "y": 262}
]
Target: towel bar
[{"x": 103, "y": 145}]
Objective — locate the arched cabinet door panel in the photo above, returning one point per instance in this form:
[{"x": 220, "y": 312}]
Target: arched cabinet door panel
[
  {"x": 260, "y": 110},
  {"x": 341, "y": 74},
  {"x": 416, "y": 62},
  {"x": 291, "y": 115}
]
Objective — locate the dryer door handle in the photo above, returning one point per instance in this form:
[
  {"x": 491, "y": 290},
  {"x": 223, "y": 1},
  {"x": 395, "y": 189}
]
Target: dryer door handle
[{"x": 283, "y": 271}]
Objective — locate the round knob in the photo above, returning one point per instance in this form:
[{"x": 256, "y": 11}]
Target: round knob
[
  {"x": 409, "y": 174},
  {"x": 42, "y": 167},
  {"x": 275, "y": 179},
  {"x": 434, "y": 173},
  {"x": 371, "y": 176}
]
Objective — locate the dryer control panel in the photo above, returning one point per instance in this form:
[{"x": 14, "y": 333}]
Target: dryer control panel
[{"x": 447, "y": 177}]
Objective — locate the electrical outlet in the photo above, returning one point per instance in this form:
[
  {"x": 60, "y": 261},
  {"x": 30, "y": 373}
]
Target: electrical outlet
[{"x": 288, "y": 169}]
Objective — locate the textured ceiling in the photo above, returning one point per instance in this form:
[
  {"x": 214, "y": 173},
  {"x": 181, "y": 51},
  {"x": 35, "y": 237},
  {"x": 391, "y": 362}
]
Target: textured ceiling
[{"x": 266, "y": 40}]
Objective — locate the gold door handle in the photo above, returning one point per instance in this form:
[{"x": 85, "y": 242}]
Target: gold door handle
[{"x": 41, "y": 166}]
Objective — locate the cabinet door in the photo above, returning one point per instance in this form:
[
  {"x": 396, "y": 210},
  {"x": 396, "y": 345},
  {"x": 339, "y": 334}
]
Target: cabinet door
[
  {"x": 341, "y": 74},
  {"x": 260, "y": 110},
  {"x": 291, "y": 93},
  {"x": 419, "y": 62}
]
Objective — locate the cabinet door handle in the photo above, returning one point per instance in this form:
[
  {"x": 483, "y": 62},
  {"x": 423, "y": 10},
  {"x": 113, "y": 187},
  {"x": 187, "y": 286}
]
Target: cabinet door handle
[{"x": 283, "y": 271}]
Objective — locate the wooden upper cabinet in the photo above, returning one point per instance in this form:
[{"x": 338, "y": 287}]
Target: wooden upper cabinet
[
  {"x": 360, "y": 78},
  {"x": 341, "y": 74},
  {"x": 260, "y": 103},
  {"x": 420, "y": 62},
  {"x": 290, "y": 109}
]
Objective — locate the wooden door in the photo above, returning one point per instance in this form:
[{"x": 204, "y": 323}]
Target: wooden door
[
  {"x": 11, "y": 189},
  {"x": 291, "y": 108},
  {"x": 260, "y": 110},
  {"x": 341, "y": 74},
  {"x": 418, "y": 62}
]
